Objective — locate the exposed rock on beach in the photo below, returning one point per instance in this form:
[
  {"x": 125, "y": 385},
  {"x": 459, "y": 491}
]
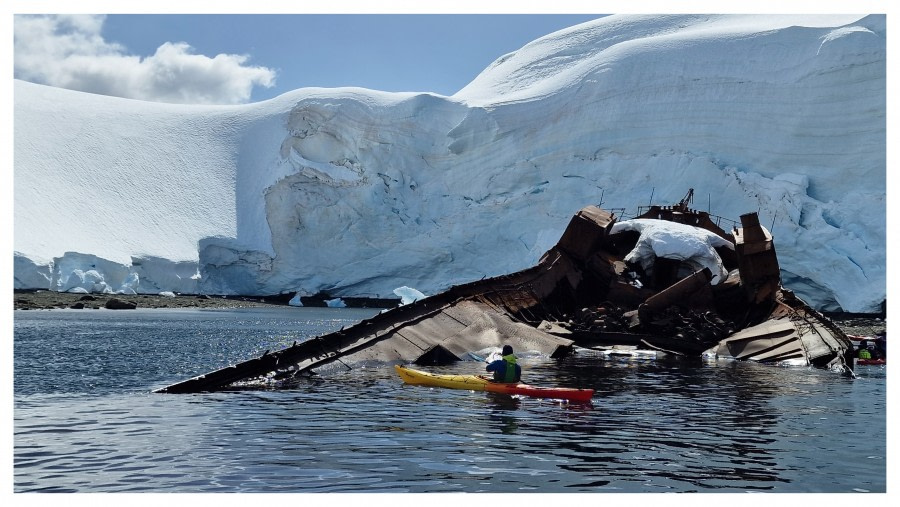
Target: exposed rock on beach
[{"x": 49, "y": 300}]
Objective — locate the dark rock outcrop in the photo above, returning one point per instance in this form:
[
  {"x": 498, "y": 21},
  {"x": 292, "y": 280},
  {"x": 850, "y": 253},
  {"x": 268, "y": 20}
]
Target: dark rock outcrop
[{"x": 118, "y": 304}]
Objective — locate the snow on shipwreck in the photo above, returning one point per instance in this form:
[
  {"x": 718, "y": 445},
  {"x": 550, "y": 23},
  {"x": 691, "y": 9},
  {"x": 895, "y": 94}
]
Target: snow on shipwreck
[{"x": 670, "y": 280}]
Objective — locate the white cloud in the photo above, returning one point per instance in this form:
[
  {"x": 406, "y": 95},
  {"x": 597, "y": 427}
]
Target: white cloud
[{"x": 68, "y": 51}]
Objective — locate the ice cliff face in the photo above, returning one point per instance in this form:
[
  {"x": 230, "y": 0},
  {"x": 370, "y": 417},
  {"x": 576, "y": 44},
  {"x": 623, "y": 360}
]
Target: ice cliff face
[{"x": 356, "y": 192}]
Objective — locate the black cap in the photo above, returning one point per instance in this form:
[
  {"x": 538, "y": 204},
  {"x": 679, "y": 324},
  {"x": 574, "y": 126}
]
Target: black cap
[{"x": 507, "y": 350}]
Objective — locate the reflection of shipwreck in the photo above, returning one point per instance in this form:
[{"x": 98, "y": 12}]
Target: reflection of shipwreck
[{"x": 603, "y": 286}]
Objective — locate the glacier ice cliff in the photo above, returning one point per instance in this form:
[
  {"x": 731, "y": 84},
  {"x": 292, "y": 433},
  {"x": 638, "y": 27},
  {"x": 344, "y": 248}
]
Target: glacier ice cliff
[{"x": 353, "y": 192}]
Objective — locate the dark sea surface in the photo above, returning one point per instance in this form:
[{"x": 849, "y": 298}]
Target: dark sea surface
[{"x": 85, "y": 419}]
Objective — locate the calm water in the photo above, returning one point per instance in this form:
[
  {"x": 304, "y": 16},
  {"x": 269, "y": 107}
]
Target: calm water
[{"x": 86, "y": 421}]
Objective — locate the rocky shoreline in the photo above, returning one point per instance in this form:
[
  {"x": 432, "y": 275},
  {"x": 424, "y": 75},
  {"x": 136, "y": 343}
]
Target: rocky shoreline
[
  {"x": 51, "y": 300},
  {"x": 861, "y": 326}
]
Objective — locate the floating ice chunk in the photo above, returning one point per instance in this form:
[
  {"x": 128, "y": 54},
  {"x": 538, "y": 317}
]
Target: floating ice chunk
[
  {"x": 336, "y": 303},
  {"x": 295, "y": 301},
  {"x": 408, "y": 295},
  {"x": 168, "y": 294}
]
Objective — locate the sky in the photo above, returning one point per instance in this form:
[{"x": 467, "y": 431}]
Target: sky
[
  {"x": 238, "y": 58},
  {"x": 389, "y": 52},
  {"x": 166, "y": 52}
]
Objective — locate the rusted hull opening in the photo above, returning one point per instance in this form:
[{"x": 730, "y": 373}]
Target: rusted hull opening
[{"x": 436, "y": 355}]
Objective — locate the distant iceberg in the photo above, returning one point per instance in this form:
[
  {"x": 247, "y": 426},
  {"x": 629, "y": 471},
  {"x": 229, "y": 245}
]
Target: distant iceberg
[{"x": 335, "y": 303}]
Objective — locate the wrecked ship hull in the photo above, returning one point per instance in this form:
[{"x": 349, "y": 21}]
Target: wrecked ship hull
[
  {"x": 436, "y": 330},
  {"x": 747, "y": 316},
  {"x": 583, "y": 293}
]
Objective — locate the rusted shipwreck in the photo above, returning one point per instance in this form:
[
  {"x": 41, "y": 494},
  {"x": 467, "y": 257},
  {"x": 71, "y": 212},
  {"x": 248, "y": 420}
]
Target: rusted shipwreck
[{"x": 590, "y": 291}]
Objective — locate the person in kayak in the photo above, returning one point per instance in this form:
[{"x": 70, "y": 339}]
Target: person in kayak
[
  {"x": 864, "y": 350},
  {"x": 505, "y": 369}
]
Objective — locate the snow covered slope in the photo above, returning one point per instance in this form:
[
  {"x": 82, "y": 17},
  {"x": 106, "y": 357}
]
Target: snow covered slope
[{"x": 356, "y": 192}]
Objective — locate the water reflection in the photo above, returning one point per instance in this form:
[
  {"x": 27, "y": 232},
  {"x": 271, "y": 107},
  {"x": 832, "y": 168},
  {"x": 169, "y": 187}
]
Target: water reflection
[
  {"x": 653, "y": 426},
  {"x": 671, "y": 423},
  {"x": 501, "y": 408}
]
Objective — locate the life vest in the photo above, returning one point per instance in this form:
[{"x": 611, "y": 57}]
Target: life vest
[
  {"x": 863, "y": 354},
  {"x": 510, "y": 371}
]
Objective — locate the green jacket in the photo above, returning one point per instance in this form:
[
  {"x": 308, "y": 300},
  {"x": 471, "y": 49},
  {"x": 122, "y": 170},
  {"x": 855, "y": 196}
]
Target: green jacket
[{"x": 506, "y": 369}]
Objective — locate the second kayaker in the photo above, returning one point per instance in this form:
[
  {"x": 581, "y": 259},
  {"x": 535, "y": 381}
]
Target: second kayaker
[{"x": 505, "y": 369}]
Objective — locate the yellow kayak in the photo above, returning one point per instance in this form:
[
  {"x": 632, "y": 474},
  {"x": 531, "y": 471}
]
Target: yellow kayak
[
  {"x": 483, "y": 383},
  {"x": 423, "y": 378}
]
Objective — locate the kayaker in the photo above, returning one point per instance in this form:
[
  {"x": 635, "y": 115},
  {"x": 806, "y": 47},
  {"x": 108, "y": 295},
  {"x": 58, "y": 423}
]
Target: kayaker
[
  {"x": 505, "y": 369},
  {"x": 864, "y": 350}
]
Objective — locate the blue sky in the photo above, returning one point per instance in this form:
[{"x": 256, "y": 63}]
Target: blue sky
[
  {"x": 163, "y": 51},
  {"x": 239, "y": 58},
  {"x": 390, "y": 52}
]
